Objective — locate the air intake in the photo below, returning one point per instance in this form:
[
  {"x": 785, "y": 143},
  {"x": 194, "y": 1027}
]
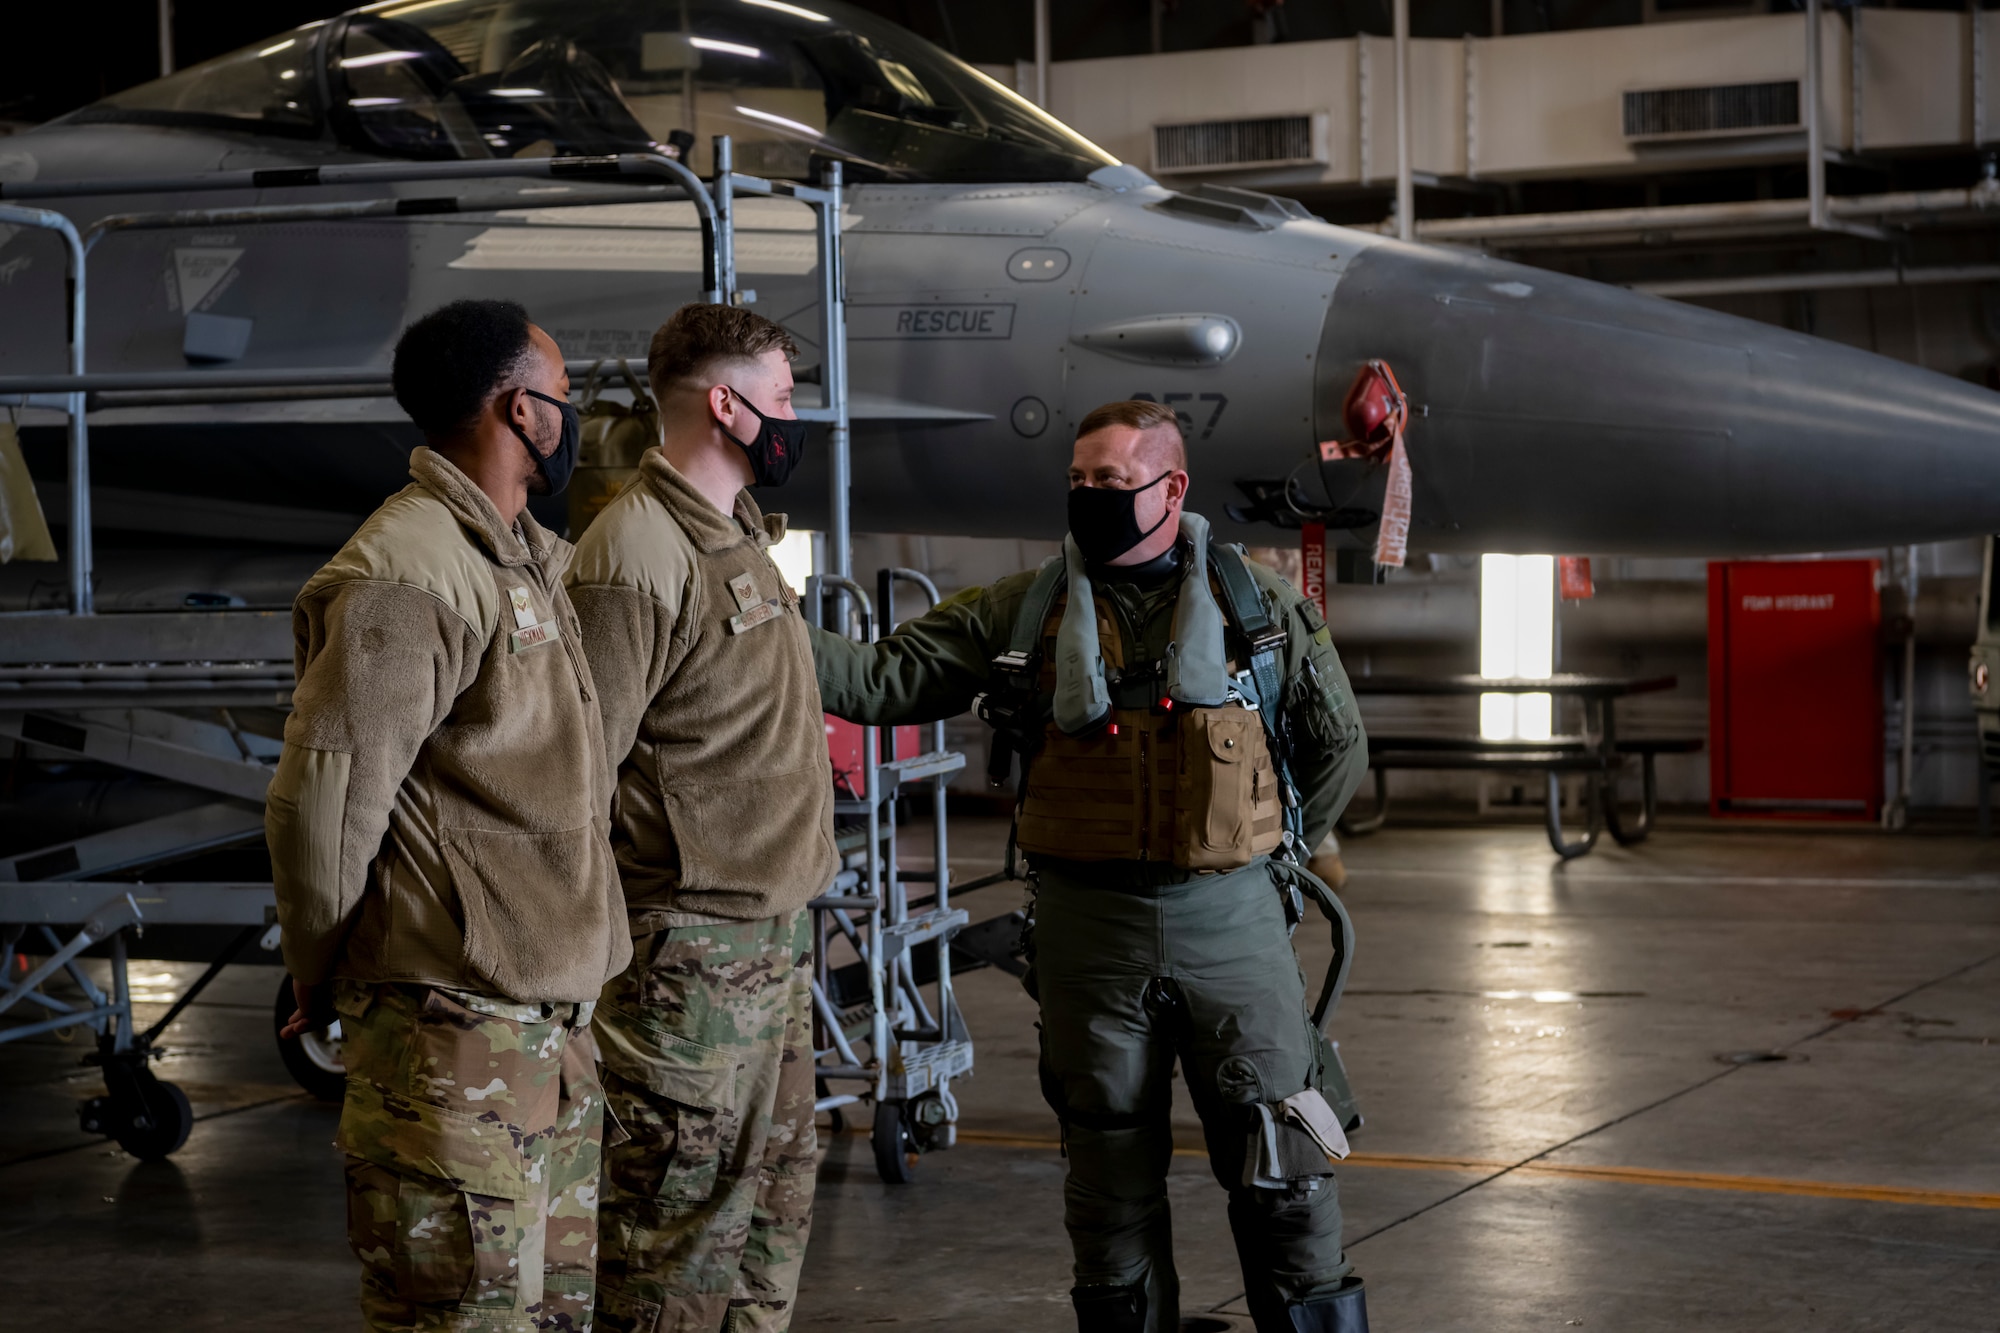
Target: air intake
[
  {"x": 1713, "y": 112},
  {"x": 1265, "y": 141}
]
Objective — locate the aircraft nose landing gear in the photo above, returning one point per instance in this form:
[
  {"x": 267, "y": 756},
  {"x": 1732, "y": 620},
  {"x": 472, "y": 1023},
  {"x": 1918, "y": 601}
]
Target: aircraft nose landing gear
[{"x": 148, "y": 1116}]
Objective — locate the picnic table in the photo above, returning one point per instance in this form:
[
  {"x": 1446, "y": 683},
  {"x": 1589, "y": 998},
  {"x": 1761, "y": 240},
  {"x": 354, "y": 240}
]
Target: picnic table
[{"x": 1597, "y": 753}]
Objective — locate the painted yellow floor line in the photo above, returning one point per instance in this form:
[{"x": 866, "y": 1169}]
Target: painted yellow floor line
[{"x": 1619, "y": 1175}]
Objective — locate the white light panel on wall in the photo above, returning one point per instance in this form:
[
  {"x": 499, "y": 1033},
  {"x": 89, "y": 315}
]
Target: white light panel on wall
[{"x": 1517, "y": 623}]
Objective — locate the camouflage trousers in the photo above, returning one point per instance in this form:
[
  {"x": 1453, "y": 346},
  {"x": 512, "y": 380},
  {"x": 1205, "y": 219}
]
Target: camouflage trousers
[
  {"x": 708, "y": 1067},
  {"x": 473, "y": 1129}
]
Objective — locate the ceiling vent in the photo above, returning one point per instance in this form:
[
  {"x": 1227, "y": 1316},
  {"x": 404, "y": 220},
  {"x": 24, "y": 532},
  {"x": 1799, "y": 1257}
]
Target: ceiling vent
[
  {"x": 1219, "y": 145},
  {"x": 1716, "y": 111}
]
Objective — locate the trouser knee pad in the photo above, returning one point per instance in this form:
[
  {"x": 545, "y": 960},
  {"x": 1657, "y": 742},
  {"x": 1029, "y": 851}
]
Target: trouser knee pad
[
  {"x": 1344, "y": 1311},
  {"x": 1108, "y": 1309}
]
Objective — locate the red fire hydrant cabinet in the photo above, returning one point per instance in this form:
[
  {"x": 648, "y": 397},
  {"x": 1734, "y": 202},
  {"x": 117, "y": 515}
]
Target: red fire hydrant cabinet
[{"x": 1795, "y": 688}]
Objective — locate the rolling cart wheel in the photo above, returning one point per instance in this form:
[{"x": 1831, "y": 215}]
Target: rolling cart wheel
[
  {"x": 312, "y": 1058},
  {"x": 895, "y": 1149},
  {"x": 159, "y": 1123}
]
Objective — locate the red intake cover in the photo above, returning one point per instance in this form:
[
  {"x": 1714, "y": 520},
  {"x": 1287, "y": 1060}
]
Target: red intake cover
[{"x": 1374, "y": 410}]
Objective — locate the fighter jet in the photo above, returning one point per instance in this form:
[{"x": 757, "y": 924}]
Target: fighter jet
[{"x": 1004, "y": 275}]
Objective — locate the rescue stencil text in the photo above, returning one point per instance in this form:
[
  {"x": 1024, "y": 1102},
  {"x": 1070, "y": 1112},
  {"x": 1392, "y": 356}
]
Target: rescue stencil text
[{"x": 930, "y": 321}]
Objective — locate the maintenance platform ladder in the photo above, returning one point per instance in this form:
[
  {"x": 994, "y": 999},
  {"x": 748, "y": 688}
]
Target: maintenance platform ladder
[{"x": 896, "y": 997}]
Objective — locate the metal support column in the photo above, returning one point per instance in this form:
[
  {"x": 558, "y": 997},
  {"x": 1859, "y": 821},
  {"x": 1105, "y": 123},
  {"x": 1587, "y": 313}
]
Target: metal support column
[
  {"x": 1042, "y": 54},
  {"x": 833, "y": 378},
  {"x": 166, "y": 23},
  {"x": 724, "y": 187},
  {"x": 1406, "y": 193},
  {"x": 1815, "y": 129}
]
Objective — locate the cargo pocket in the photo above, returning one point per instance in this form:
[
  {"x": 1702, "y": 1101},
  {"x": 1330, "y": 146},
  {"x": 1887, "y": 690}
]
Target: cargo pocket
[
  {"x": 477, "y": 1155},
  {"x": 1217, "y": 761},
  {"x": 537, "y": 909},
  {"x": 677, "y": 1104},
  {"x": 618, "y": 1312},
  {"x": 436, "y": 1200},
  {"x": 1280, "y": 1154}
]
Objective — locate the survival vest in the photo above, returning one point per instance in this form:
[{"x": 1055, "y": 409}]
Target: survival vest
[{"x": 1202, "y": 788}]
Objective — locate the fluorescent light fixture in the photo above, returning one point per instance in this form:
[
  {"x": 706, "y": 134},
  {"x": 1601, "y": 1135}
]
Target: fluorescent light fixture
[
  {"x": 726, "y": 48},
  {"x": 783, "y": 124},
  {"x": 374, "y": 101},
  {"x": 1516, "y": 640},
  {"x": 401, "y": 9},
  {"x": 519, "y": 92},
  {"x": 285, "y": 45},
  {"x": 379, "y": 58},
  {"x": 793, "y": 10},
  {"x": 288, "y": 74}
]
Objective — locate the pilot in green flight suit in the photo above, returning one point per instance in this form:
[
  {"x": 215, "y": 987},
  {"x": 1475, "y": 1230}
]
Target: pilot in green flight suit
[{"x": 1187, "y": 732}]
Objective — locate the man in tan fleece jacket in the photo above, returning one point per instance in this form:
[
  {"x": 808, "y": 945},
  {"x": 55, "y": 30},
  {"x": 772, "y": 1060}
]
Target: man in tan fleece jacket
[
  {"x": 438, "y": 846},
  {"x": 723, "y": 829}
]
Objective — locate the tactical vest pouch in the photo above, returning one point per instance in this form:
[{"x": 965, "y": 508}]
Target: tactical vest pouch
[
  {"x": 1086, "y": 796},
  {"x": 1226, "y": 801}
]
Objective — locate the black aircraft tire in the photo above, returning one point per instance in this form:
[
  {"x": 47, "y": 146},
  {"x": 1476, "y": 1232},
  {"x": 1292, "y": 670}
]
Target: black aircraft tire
[
  {"x": 313, "y": 1060},
  {"x": 167, "y": 1116},
  {"x": 895, "y": 1150}
]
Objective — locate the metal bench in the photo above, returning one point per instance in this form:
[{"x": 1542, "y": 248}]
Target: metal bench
[{"x": 1554, "y": 757}]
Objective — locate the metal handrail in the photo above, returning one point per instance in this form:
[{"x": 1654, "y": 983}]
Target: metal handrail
[
  {"x": 718, "y": 271},
  {"x": 655, "y": 165},
  {"x": 402, "y": 208},
  {"x": 47, "y": 219}
]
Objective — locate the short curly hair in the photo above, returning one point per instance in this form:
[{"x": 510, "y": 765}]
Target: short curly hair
[
  {"x": 450, "y": 363},
  {"x": 697, "y": 337}
]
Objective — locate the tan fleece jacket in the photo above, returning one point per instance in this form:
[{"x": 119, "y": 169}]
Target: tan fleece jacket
[
  {"x": 711, "y": 707},
  {"x": 438, "y": 814}
]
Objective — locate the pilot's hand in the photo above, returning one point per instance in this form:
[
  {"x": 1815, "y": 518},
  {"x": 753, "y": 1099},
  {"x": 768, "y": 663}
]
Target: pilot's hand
[
  {"x": 1326, "y": 863},
  {"x": 303, "y": 1019}
]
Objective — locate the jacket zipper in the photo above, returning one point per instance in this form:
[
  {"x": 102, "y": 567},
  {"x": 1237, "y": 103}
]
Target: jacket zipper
[{"x": 566, "y": 632}]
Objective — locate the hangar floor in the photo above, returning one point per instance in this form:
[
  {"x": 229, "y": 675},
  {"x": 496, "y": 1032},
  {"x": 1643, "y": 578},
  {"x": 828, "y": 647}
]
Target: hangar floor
[{"x": 1554, "y": 1139}]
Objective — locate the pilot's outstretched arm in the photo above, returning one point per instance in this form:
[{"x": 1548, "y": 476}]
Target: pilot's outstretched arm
[{"x": 930, "y": 668}]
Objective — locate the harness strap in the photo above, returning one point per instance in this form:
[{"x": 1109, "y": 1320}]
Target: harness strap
[
  {"x": 1026, "y": 640},
  {"x": 1015, "y": 707},
  {"x": 1247, "y": 608}
]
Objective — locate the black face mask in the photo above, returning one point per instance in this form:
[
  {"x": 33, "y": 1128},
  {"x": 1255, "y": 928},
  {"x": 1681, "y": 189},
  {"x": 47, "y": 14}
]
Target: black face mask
[
  {"x": 777, "y": 448},
  {"x": 1105, "y": 522},
  {"x": 556, "y": 468}
]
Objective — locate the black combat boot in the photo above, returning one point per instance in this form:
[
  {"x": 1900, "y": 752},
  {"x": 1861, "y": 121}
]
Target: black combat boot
[
  {"x": 1346, "y": 1311},
  {"x": 1107, "y": 1309}
]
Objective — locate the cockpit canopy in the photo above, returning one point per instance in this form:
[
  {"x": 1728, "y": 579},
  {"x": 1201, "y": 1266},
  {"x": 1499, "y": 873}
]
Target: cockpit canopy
[{"x": 439, "y": 79}]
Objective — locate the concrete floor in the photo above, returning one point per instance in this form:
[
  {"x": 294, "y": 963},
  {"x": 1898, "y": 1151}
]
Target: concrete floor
[{"x": 1552, "y": 1141}]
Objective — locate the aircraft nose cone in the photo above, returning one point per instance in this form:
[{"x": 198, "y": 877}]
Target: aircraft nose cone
[{"x": 1552, "y": 412}]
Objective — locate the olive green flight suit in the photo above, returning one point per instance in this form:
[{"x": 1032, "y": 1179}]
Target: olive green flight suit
[{"x": 1137, "y": 964}]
